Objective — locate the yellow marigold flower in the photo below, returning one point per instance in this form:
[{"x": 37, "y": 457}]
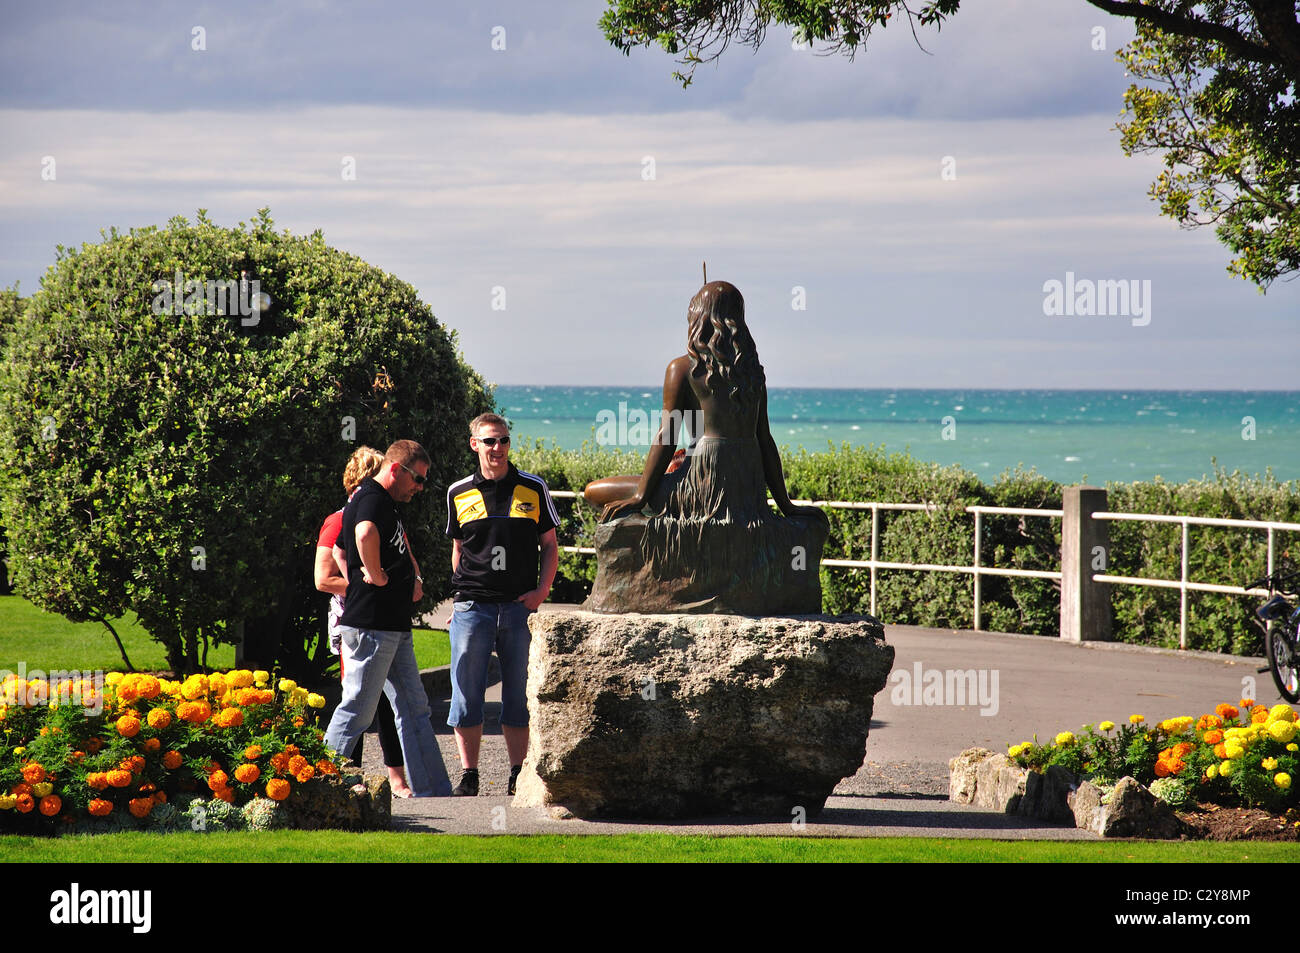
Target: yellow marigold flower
[
  {"x": 1013, "y": 751},
  {"x": 217, "y": 683},
  {"x": 160, "y": 718},
  {"x": 1136, "y": 719},
  {"x": 1225, "y": 769},
  {"x": 42, "y": 789},
  {"x": 1281, "y": 713},
  {"x": 1282, "y": 780},
  {"x": 241, "y": 678},
  {"x": 1234, "y": 750},
  {"x": 1212, "y": 772},
  {"x": 287, "y": 684},
  {"x": 112, "y": 678},
  {"x": 1282, "y": 731},
  {"x": 1107, "y": 726},
  {"x": 196, "y": 686},
  {"x": 1293, "y": 747},
  {"x": 1269, "y": 764},
  {"x": 260, "y": 677},
  {"x": 315, "y": 700},
  {"x": 1065, "y": 738}
]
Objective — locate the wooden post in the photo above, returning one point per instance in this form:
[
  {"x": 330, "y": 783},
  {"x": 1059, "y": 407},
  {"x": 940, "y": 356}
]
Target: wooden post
[{"x": 1085, "y": 550}]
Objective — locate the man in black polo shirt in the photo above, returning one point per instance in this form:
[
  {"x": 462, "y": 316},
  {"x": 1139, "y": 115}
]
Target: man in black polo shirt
[
  {"x": 498, "y": 518},
  {"x": 383, "y": 581}
]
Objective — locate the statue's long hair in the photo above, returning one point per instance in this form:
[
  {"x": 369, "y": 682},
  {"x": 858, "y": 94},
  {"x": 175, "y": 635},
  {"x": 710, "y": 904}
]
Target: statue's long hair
[{"x": 718, "y": 340}]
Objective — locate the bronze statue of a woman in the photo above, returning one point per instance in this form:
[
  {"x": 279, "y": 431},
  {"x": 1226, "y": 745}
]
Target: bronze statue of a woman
[{"x": 703, "y": 538}]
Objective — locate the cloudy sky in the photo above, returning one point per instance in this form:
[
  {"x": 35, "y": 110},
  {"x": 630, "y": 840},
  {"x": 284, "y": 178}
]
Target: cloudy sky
[{"x": 582, "y": 188}]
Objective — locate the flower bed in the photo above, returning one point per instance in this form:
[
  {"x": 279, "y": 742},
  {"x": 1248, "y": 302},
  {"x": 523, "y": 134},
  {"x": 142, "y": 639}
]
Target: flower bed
[
  {"x": 212, "y": 751},
  {"x": 1237, "y": 757}
]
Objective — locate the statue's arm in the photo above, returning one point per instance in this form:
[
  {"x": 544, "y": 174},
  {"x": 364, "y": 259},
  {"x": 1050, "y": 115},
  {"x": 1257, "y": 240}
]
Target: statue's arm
[
  {"x": 772, "y": 471},
  {"x": 676, "y": 403}
]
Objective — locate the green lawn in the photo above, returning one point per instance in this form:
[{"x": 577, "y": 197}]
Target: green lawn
[
  {"x": 332, "y": 846},
  {"x": 46, "y": 641}
]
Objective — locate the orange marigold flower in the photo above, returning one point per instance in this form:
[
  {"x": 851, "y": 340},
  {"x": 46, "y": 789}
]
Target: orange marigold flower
[
  {"x": 134, "y": 764},
  {"x": 140, "y": 806},
  {"x": 218, "y": 780},
  {"x": 1176, "y": 765},
  {"x": 119, "y": 778},
  {"x": 97, "y": 780},
  {"x": 1182, "y": 749},
  {"x": 128, "y": 726},
  {"x": 159, "y": 797},
  {"x": 51, "y": 804},
  {"x": 33, "y": 773},
  {"x": 230, "y": 718},
  {"x": 306, "y": 774},
  {"x": 1258, "y": 715},
  {"x": 225, "y": 794},
  {"x": 277, "y": 789},
  {"x": 253, "y": 752},
  {"x": 159, "y": 718},
  {"x": 1221, "y": 752},
  {"x": 296, "y": 763},
  {"x": 1213, "y": 737},
  {"x": 247, "y": 773},
  {"x": 98, "y": 807},
  {"x": 291, "y": 750},
  {"x": 1208, "y": 721},
  {"x": 1247, "y": 702},
  {"x": 26, "y": 803},
  {"x": 298, "y": 722},
  {"x": 152, "y": 745},
  {"x": 172, "y": 760},
  {"x": 280, "y": 761},
  {"x": 1225, "y": 711},
  {"x": 326, "y": 767},
  {"x": 22, "y": 787},
  {"x": 1162, "y": 768}
]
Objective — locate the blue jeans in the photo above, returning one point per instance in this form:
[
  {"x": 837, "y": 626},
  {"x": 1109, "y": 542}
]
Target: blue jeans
[
  {"x": 476, "y": 629},
  {"x": 383, "y": 662}
]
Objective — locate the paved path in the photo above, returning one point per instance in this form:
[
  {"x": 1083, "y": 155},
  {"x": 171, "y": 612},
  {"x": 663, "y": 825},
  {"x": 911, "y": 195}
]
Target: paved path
[{"x": 1041, "y": 686}]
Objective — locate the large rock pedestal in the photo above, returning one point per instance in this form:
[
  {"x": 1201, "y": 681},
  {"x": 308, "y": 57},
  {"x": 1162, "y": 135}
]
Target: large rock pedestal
[{"x": 663, "y": 716}]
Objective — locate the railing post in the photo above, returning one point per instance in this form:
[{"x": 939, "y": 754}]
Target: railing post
[
  {"x": 976, "y": 567},
  {"x": 1085, "y": 543}
]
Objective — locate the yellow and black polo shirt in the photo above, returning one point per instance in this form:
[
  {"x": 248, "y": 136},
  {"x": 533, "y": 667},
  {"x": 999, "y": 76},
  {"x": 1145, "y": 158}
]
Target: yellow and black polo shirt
[{"x": 498, "y": 523}]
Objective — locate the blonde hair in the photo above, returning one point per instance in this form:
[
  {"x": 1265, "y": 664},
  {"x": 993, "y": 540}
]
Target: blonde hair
[{"x": 364, "y": 462}]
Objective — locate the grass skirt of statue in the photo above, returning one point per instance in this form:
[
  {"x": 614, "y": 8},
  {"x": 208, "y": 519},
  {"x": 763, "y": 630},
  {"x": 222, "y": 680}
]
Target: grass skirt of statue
[{"x": 711, "y": 544}]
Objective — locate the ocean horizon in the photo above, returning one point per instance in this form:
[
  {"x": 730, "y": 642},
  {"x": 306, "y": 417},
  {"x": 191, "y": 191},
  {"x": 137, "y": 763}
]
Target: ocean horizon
[{"x": 1072, "y": 436}]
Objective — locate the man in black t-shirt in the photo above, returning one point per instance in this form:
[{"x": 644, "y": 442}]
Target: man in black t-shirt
[
  {"x": 383, "y": 582},
  {"x": 500, "y": 520}
]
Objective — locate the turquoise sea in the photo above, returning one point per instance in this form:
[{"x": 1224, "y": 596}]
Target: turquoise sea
[{"x": 1068, "y": 435}]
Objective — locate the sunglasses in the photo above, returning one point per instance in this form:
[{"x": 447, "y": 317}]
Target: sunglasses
[
  {"x": 493, "y": 441},
  {"x": 414, "y": 476}
]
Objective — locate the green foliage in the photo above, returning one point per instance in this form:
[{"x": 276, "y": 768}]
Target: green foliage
[
  {"x": 701, "y": 30},
  {"x": 1228, "y": 128},
  {"x": 179, "y": 465}
]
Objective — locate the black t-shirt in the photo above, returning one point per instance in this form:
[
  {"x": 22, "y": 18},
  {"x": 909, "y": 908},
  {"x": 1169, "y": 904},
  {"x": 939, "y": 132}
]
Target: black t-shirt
[
  {"x": 498, "y": 523},
  {"x": 377, "y": 607}
]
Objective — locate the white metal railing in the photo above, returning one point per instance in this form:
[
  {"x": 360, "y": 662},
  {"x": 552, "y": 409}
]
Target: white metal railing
[
  {"x": 976, "y": 569},
  {"x": 1182, "y": 584}
]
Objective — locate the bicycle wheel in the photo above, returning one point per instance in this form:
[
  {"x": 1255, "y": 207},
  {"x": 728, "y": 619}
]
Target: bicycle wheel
[{"x": 1284, "y": 663}]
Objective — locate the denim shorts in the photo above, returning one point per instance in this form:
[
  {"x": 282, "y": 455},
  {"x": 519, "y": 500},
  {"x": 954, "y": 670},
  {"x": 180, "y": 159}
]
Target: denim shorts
[{"x": 476, "y": 629}]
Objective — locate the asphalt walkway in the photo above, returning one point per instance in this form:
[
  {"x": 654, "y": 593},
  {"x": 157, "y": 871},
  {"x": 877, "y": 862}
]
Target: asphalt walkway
[{"x": 1024, "y": 685}]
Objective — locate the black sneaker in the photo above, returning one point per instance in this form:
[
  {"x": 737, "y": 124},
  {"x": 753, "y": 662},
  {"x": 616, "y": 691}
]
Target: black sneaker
[
  {"x": 468, "y": 786},
  {"x": 514, "y": 776}
]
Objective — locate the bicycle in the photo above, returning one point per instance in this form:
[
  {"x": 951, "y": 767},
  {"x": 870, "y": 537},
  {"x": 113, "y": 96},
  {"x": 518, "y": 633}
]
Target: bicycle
[{"x": 1282, "y": 631}]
